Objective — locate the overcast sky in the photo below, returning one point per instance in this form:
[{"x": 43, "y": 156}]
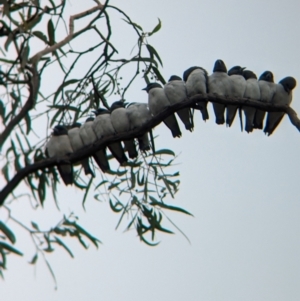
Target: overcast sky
[{"x": 243, "y": 189}]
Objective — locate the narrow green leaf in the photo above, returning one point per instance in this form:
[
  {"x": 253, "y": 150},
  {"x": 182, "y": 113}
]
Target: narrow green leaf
[
  {"x": 9, "y": 248},
  {"x": 34, "y": 259},
  {"x": 64, "y": 246},
  {"x": 133, "y": 24},
  {"x": 153, "y": 52},
  {"x": 5, "y": 172},
  {"x": 28, "y": 123},
  {"x": 156, "y": 28},
  {"x": 165, "y": 152},
  {"x": 7, "y": 232},
  {"x": 35, "y": 226},
  {"x": 63, "y": 85},
  {"x": 41, "y": 36},
  {"x": 117, "y": 207},
  {"x": 87, "y": 191},
  {"x": 133, "y": 180},
  {"x": 51, "y": 33},
  {"x": 144, "y": 59},
  {"x": 165, "y": 206},
  {"x": 158, "y": 75},
  {"x": 2, "y": 109}
]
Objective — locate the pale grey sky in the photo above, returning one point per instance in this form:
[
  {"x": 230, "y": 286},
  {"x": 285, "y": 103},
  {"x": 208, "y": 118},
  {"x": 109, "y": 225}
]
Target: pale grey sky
[{"x": 243, "y": 189}]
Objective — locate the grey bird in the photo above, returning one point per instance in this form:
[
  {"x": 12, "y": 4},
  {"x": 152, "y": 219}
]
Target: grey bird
[
  {"x": 121, "y": 124},
  {"x": 103, "y": 127},
  {"x": 219, "y": 84},
  {"x": 267, "y": 90},
  {"x": 157, "y": 102},
  {"x": 283, "y": 96},
  {"x": 252, "y": 92},
  {"x": 237, "y": 90},
  {"x": 58, "y": 146},
  {"x": 196, "y": 80},
  {"x": 77, "y": 144},
  {"x": 176, "y": 92},
  {"x": 88, "y": 137},
  {"x": 139, "y": 114}
]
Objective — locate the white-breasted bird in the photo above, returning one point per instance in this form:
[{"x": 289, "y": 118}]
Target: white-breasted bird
[
  {"x": 196, "y": 80},
  {"x": 219, "y": 84},
  {"x": 77, "y": 144},
  {"x": 88, "y": 137},
  {"x": 157, "y": 102},
  {"x": 58, "y": 146},
  {"x": 253, "y": 92},
  {"x": 267, "y": 90},
  {"x": 237, "y": 90},
  {"x": 121, "y": 123},
  {"x": 283, "y": 96},
  {"x": 139, "y": 114},
  {"x": 176, "y": 92},
  {"x": 103, "y": 127}
]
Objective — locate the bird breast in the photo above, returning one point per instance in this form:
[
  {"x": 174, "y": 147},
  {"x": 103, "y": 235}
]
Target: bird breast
[
  {"x": 120, "y": 120},
  {"x": 157, "y": 101}
]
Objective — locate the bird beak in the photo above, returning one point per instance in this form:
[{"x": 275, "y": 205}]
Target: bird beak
[
  {"x": 55, "y": 130},
  {"x": 244, "y": 68},
  {"x": 145, "y": 89}
]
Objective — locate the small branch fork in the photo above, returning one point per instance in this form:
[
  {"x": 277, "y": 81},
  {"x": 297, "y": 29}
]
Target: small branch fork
[{"x": 194, "y": 102}]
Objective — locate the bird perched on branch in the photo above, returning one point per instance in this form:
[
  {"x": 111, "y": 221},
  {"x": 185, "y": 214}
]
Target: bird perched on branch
[
  {"x": 283, "y": 96},
  {"x": 58, "y": 146},
  {"x": 196, "y": 80},
  {"x": 176, "y": 92},
  {"x": 237, "y": 90},
  {"x": 77, "y": 144},
  {"x": 267, "y": 90},
  {"x": 158, "y": 102},
  {"x": 139, "y": 114},
  {"x": 88, "y": 137},
  {"x": 253, "y": 92},
  {"x": 219, "y": 84},
  {"x": 103, "y": 127},
  {"x": 121, "y": 123}
]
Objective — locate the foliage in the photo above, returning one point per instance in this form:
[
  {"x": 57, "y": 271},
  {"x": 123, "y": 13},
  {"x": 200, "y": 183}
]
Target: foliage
[{"x": 28, "y": 110}]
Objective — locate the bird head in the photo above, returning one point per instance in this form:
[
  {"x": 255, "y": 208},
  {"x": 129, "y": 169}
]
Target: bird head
[
  {"x": 151, "y": 86},
  {"x": 220, "y": 66},
  {"x": 236, "y": 70},
  {"x": 174, "y": 77},
  {"x": 288, "y": 83},
  {"x": 267, "y": 76},
  {"x": 249, "y": 74}
]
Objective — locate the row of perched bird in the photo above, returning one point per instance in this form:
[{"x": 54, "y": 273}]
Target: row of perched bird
[{"x": 237, "y": 83}]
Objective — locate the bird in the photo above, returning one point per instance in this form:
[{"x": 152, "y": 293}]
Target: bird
[
  {"x": 88, "y": 137},
  {"x": 58, "y": 146},
  {"x": 157, "y": 102},
  {"x": 139, "y": 114},
  {"x": 196, "y": 80},
  {"x": 103, "y": 127},
  {"x": 77, "y": 144},
  {"x": 283, "y": 96},
  {"x": 176, "y": 92},
  {"x": 253, "y": 92},
  {"x": 267, "y": 90},
  {"x": 219, "y": 84},
  {"x": 237, "y": 90},
  {"x": 121, "y": 123}
]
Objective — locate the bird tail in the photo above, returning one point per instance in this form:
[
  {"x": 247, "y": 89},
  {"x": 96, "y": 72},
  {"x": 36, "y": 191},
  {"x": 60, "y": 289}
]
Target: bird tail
[
  {"x": 66, "y": 173},
  {"x": 204, "y": 111},
  {"x": 259, "y": 119},
  {"x": 231, "y": 111},
  {"x": 273, "y": 120},
  {"x": 86, "y": 166},
  {"x": 144, "y": 143},
  {"x": 184, "y": 115},
  {"x": 131, "y": 148},
  {"x": 219, "y": 110},
  {"x": 172, "y": 124},
  {"x": 101, "y": 160},
  {"x": 118, "y": 152}
]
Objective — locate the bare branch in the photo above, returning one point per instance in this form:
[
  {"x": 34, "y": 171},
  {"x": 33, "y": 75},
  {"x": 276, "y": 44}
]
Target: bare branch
[
  {"x": 35, "y": 59},
  {"x": 194, "y": 101}
]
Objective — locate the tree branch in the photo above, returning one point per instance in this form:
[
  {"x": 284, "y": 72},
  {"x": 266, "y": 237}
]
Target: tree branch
[
  {"x": 70, "y": 36},
  {"x": 34, "y": 85},
  {"x": 194, "y": 101}
]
